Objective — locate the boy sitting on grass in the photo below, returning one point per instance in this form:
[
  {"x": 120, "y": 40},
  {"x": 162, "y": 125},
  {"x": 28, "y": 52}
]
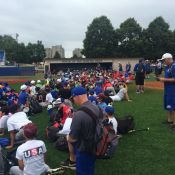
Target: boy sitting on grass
[
  {"x": 3, "y": 119},
  {"x": 109, "y": 114}
]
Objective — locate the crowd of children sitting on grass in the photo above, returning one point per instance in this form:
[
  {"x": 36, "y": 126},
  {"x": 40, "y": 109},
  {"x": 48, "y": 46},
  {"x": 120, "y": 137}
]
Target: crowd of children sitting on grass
[{"x": 16, "y": 107}]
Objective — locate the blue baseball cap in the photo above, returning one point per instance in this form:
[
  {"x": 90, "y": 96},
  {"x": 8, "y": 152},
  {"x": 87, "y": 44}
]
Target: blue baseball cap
[
  {"x": 109, "y": 109},
  {"x": 91, "y": 91},
  {"x": 78, "y": 91}
]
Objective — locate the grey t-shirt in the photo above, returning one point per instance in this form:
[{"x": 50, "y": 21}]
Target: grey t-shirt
[{"x": 83, "y": 127}]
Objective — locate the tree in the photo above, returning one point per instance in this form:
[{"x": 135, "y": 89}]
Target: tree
[
  {"x": 9, "y": 44},
  {"x": 129, "y": 39},
  {"x": 158, "y": 39},
  {"x": 35, "y": 52},
  {"x": 99, "y": 40},
  {"x": 57, "y": 55},
  {"x": 75, "y": 56},
  {"x": 20, "y": 53}
]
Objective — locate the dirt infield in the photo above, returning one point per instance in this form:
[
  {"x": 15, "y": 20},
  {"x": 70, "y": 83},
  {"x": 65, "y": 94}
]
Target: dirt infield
[
  {"x": 14, "y": 81},
  {"x": 154, "y": 85}
]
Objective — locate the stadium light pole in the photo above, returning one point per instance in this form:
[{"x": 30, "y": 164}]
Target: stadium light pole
[{"x": 16, "y": 36}]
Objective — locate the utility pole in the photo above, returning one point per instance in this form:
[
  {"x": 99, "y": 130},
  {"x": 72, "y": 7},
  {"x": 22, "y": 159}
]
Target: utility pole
[{"x": 17, "y": 35}]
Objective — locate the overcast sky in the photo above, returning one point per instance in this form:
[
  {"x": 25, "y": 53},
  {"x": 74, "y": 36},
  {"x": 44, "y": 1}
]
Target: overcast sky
[{"x": 65, "y": 22}]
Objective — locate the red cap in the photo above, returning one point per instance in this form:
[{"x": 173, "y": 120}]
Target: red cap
[{"x": 101, "y": 96}]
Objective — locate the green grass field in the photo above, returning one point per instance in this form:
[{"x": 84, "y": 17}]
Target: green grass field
[{"x": 141, "y": 153}]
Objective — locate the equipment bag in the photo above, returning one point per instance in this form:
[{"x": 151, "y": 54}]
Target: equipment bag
[
  {"x": 9, "y": 159},
  {"x": 61, "y": 143},
  {"x": 51, "y": 133},
  {"x": 125, "y": 125},
  {"x": 35, "y": 107},
  {"x": 105, "y": 139}
]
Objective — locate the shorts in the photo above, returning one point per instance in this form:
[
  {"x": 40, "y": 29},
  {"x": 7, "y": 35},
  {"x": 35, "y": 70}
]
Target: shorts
[
  {"x": 139, "y": 79},
  {"x": 169, "y": 102},
  {"x": 115, "y": 98},
  {"x": 85, "y": 162}
]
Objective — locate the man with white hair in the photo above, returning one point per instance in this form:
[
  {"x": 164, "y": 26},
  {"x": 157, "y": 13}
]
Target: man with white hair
[
  {"x": 169, "y": 87},
  {"x": 23, "y": 96}
]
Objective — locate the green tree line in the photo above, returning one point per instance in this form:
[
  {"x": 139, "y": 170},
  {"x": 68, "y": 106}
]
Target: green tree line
[
  {"x": 21, "y": 53},
  {"x": 129, "y": 40}
]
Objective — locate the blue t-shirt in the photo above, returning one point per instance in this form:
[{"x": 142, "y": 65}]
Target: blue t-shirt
[
  {"x": 169, "y": 87},
  {"x": 128, "y": 67},
  {"x": 22, "y": 98},
  {"x": 137, "y": 70},
  {"x": 11, "y": 99},
  {"x": 98, "y": 90}
]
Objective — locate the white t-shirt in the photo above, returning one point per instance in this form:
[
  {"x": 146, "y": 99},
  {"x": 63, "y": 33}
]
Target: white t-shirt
[
  {"x": 32, "y": 153},
  {"x": 17, "y": 120},
  {"x": 159, "y": 65},
  {"x": 114, "y": 123},
  {"x": 66, "y": 127},
  {"x": 32, "y": 90},
  {"x": 3, "y": 121},
  {"x": 49, "y": 98},
  {"x": 120, "y": 95}
]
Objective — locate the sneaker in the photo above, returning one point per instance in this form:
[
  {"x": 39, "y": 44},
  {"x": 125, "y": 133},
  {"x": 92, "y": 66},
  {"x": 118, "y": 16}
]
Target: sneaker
[
  {"x": 68, "y": 164},
  {"x": 59, "y": 170},
  {"x": 137, "y": 92},
  {"x": 119, "y": 136}
]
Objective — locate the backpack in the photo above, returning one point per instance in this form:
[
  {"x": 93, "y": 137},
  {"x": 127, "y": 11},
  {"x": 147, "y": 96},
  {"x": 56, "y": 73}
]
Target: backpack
[
  {"x": 61, "y": 143},
  {"x": 9, "y": 159},
  {"x": 125, "y": 125},
  {"x": 51, "y": 133},
  {"x": 35, "y": 107},
  {"x": 105, "y": 139}
]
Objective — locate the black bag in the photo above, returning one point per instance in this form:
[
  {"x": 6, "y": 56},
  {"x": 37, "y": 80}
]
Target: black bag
[
  {"x": 51, "y": 133},
  {"x": 105, "y": 139},
  {"x": 125, "y": 125},
  {"x": 35, "y": 107},
  {"x": 9, "y": 158},
  {"x": 61, "y": 143}
]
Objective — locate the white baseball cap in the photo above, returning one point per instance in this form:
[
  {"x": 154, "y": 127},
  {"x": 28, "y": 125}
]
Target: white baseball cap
[
  {"x": 59, "y": 80},
  {"x": 166, "y": 55},
  {"x": 38, "y": 81},
  {"x": 23, "y": 87},
  {"x": 57, "y": 102},
  {"x": 32, "y": 82}
]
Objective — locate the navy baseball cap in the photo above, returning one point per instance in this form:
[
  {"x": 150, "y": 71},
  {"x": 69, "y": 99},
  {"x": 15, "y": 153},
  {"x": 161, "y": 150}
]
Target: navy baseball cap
[
  {"x": 78, "y": 91},
  {"x": 91, "y": 91},
  {"x": 109, "y": 109}
]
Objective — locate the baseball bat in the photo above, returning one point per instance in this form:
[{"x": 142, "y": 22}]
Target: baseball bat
[{"x": 135, "y": 130}]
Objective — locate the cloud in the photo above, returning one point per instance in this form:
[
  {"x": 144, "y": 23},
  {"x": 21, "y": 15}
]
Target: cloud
[{"x": 65, "y": 22}]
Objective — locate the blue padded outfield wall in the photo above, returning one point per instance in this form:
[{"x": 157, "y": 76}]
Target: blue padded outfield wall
[{"x": 17, "y": 71}]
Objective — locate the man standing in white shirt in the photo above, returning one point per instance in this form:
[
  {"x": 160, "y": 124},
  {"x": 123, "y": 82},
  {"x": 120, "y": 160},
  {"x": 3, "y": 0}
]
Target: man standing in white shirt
[{"x": 15, "y": 124}]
